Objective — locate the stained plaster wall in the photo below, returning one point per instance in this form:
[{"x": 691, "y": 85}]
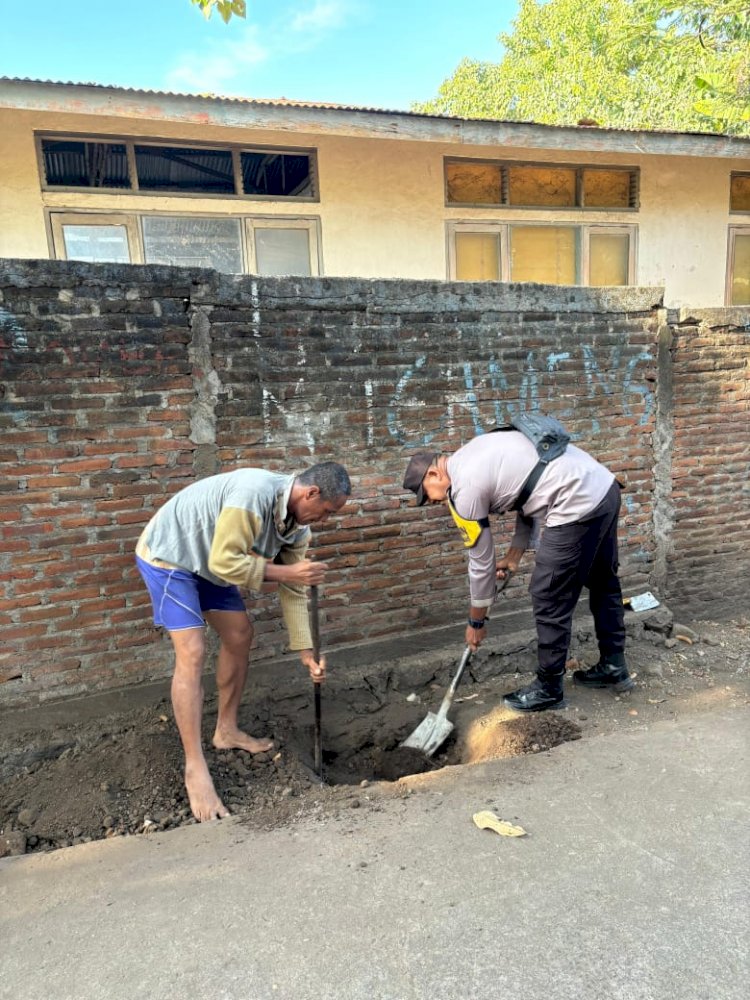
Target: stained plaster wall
[{"x": 382, "y": 207}]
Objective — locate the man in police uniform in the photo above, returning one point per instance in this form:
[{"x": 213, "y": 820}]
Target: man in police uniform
[{"x": 577, "y": 501}]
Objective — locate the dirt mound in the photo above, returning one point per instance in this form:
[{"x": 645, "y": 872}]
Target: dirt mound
[{"x": 503, "y": 734}]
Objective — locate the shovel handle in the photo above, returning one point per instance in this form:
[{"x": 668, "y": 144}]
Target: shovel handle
[
  {"x": 315, "y": 622},
  {"x": 315, "y": 629},
  {"x": 500, "y": 585},
  {"x": 446, "y": 703}
]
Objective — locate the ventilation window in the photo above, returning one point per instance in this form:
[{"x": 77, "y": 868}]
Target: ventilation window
[
  {"x": 542, "y": 186},
  {"x": 276, "y": 175},
  {"x": 739, "y": 199},
  {"x": 72, "y": 163},
  {"x": 539, "y": 185},
  {"x": 469, "y": 183},
  {"x": 175, "y": 168},
  {"x": 609, "y": 189}
]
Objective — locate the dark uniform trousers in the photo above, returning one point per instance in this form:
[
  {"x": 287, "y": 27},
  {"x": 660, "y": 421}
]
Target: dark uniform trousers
[{"x": 571, "y": 557}]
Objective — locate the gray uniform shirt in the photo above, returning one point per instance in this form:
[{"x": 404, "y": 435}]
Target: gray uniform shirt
[{"x": 487, "y": 475}]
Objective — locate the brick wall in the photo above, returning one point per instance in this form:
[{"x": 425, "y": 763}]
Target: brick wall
[
  {"x": 708, "y": 552},
  {"x": 119, "y": 385}
]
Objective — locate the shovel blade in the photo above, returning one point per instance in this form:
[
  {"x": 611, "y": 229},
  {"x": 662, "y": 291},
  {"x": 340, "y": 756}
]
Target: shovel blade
[{"x": 430, "y": 734}]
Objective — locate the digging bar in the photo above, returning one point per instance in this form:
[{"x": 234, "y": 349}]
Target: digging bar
[
  {"x": 434, "y": 729},
  {"x": 315, "y": 628}
]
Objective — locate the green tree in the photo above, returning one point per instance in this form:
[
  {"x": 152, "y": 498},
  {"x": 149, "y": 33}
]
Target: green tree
[
  {"x": 660, "y": 64},
  {"x": 226, "y": 8},
  {"x": 688, "y": 28}
]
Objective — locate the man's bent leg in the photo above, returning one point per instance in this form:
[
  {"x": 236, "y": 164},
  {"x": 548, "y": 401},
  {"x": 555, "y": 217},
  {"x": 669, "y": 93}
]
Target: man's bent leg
[
  {"x": 605, "y": 601},
  {"x": 605, "y": 593},
  {"x": 187, "y": 701},
  {"x": 236, "y": 634},
  {"x": 562, "y": 564},
  {"x": 555, "y": 590}
]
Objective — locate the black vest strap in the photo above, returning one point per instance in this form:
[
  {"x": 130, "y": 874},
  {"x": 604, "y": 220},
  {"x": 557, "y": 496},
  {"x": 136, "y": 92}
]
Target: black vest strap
[{"x": 528, "y": 487}]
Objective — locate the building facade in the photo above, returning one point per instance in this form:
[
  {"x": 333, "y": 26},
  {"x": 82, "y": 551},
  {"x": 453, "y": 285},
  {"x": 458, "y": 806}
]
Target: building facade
[{"x": 105, "y": 174}]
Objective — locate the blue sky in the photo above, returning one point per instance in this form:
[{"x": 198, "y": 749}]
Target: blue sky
[{"x": 377, "y": 53}]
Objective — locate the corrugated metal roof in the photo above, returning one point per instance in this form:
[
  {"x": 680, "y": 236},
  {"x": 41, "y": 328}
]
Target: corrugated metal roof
[{"x": 327, "y": 106}]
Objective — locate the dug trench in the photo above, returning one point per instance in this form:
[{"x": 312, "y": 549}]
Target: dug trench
[{"x": 89, "y": 776}]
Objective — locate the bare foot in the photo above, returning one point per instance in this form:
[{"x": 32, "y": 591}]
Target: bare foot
[
  {"x": 204, "y": 801},
  {"x": 235, "y": 739}
]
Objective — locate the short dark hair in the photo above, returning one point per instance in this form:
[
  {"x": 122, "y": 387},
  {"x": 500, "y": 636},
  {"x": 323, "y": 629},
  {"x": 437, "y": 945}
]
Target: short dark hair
[{"x": 331, "y": 479}]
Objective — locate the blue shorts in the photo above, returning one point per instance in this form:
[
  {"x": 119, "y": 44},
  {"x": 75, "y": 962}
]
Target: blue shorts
[{"x": 181, "y": 598}]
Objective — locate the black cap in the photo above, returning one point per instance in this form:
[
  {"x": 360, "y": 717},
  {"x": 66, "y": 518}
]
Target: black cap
[{"x": 415, "y": 473}]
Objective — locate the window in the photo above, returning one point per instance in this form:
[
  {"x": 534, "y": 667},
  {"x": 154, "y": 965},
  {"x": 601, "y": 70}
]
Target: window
[
  {"x": 738, "y": 278},
  {"x": 231, "y": 244},
  {"x": 609, "y": 256},
  {"x": 550, "y": 254},
  {"x": 739, "y": 196},
  {"x": 479, "y": 256},
  {"x": 97, "y": 238},
  {"x": 470, "y": 183},
  {"x": 193, "y": 242},
  {"x": 547, "y": 254},
  {"x": 158, "y": 167},
  {"x": 536, "y": 186},
  {"x": 85, "y": 164},
  {"x": 169, "y": 168},
  {"x": 539, "y": 185},
  {"x": 278, "y": 175},
  {"x": 283, "y": 246}
]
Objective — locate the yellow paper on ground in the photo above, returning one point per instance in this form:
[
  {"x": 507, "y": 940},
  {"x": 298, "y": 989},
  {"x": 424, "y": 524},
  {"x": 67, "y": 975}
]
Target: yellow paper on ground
[{"x": 489, "y": 821}]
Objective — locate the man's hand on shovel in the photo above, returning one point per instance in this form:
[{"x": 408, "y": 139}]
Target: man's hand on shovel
[{"x": 317, "y": 668}]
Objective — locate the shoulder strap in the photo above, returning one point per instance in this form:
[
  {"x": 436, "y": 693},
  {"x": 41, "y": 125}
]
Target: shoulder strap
[{"x": 528, "y": 487}]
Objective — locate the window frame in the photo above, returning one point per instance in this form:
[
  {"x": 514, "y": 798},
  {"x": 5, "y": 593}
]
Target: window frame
[
  {"x": 142, "y": 216},
  {"x": 733, "y": 174},
  {"x": 309, "y": 223},
  {"x": 56, "y": 218},
  {"x": 130, "y": 142},
  {"x": 586, "y": 229},
  {"x": 466, "y": 226},
  {"x": 579, "y": 168},
  {"x": 733, "y": 233},
  {"x": 601, "y": 229}
]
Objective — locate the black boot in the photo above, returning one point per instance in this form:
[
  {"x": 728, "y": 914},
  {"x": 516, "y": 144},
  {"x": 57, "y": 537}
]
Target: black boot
[
  {"x": 609, "y": 672},
  {"x": 541, "y": 694}
]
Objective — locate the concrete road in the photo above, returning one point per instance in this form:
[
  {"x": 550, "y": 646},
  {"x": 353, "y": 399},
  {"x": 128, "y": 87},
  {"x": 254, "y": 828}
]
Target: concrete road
[{"x": 631, "y": 885}]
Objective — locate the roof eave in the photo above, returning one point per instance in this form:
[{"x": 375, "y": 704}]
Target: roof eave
[{"x": 98, "y": 100}]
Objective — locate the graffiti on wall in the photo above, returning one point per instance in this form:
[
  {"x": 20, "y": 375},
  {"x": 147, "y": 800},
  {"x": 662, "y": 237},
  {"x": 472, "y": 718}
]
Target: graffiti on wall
[
  {"x": 17, "y": 335},
  {"x": 605, "y": 377}
]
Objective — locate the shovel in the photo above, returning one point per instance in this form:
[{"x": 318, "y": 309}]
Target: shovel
[
  {"x": 315, "y": 623},
  {"x": 434, "y": 730}
]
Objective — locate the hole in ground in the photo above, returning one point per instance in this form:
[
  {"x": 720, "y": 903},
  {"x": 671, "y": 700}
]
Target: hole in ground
[{"x": 123, "y": 775}]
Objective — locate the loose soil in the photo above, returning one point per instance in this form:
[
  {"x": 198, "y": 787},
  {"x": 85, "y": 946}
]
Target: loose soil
[{"x": 122, "y": 774}]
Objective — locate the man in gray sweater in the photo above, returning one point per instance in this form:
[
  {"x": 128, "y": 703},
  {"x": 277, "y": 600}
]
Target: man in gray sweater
[
  {"x": 239, "y": 529},
  {"x": 577, "y": 500}
]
